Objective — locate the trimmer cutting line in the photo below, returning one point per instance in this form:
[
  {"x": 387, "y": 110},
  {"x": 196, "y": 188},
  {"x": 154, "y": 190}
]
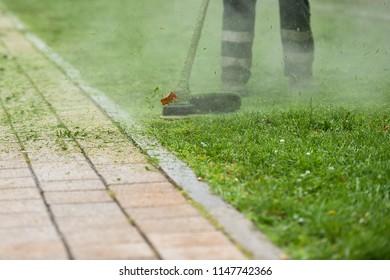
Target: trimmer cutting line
[{"x": 203, "y": 103}]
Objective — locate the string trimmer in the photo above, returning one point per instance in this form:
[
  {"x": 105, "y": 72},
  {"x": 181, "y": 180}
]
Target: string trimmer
[{"x": 200, "y": 103}]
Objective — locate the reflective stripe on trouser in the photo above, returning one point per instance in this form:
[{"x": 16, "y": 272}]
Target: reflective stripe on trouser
[
  {"x": 238, "y": 34},
  {"x": 297, "y": 37},
  {"x": 237, "y": 40}
]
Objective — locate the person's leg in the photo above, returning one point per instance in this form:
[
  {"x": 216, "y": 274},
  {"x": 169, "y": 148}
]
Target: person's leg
[
  {"x": 237, "y": 41},
  {"x": 297, "y": 38}
]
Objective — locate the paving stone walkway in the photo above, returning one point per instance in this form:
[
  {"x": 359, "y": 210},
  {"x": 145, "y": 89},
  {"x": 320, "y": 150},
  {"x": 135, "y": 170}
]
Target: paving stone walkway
[{"x": 72, "y": 185}]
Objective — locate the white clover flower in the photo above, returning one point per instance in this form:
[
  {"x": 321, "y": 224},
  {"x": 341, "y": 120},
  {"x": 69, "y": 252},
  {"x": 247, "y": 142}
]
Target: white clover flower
[{"x": 307, "y": 172}]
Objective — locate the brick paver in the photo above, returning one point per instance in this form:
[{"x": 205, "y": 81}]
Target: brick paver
[
  {"x": 91, "y": 196},
  {"x": 8, "y": 173},
  {"x": 48, "y": 250},
  {"x": 167, "y": 211},
  {"x": 72, "y": 223},
  {"x": 72, "y": 186},
  {"x": 19, "y": 194},
  {"x": 26, "y": 219},
  {"x": 22, "y": 206},
  {"x": 16, "y": 183},
  {"x": 127, "y": 251}
]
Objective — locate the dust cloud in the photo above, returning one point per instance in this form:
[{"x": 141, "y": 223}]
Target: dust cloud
[{"x": 134, "y": 51}]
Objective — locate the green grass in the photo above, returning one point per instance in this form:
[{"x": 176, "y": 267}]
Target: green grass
[
  {"x": 317, "y": 182},
  {"x": 310, "y": 167}
]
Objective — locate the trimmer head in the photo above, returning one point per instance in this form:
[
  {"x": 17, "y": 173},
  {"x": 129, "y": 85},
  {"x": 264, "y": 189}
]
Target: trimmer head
[
  {"x": 215, "y": 102},
  {"x": 222, "y": 102},
  {"x": 204, "y": 103},
  {"x": 172, "y": 110}
]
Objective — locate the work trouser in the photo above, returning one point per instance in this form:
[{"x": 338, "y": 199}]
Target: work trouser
[{"x": 238, "y": 35}]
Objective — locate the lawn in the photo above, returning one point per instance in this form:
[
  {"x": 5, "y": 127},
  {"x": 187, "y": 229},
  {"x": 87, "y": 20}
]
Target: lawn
[{"x": 310, "y": 167}]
